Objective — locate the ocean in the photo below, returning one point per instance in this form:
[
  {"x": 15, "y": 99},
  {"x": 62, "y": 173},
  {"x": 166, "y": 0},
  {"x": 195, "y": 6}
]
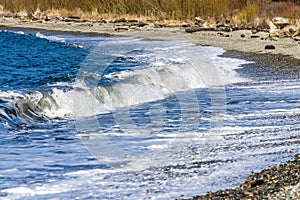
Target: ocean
[{"x": 90, "y": 117}]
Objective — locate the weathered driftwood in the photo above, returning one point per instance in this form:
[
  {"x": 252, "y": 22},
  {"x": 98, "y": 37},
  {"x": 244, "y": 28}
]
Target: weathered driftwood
[{"x": 196, "y": 29}]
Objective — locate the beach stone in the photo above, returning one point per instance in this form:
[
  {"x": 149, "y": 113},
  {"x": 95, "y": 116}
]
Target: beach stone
[
  {"x": 290, "y": 30},
  {"x": 243, "y": 35},
  {"x": 255, "y": 183},
  {"x": 270, "y": 47},
  {"x": 259, "y": 27},
  {"x": 54, "y": 17},
  {"x": 279, "y": 182},
  {"x": 223, "y": 35},
  {"x": 142, "y": 24},
  {"x": 296, "y": 33},
  {"x": 297, "y": 39},
  {"x": 223, "y": 28},
  {"x": 199, "y": 21},
  {"x": 254, "y": 31},
  {"x": 121, "y": 20}
]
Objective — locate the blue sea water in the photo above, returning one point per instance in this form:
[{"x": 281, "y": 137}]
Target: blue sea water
[{"x": 91, "y": 117}]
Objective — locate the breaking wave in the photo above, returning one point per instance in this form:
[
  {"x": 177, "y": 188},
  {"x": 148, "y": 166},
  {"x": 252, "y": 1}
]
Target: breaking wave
[{"x": 134, "y": 77}]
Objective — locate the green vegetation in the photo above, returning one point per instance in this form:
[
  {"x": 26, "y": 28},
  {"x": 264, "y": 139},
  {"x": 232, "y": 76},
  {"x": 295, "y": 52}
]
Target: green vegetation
[{"x": 244, "y": 10}]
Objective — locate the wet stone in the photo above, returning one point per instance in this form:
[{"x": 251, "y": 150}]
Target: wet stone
[
  {"x": 270, "y": 47},
  {"x": 273, "y": 183}
]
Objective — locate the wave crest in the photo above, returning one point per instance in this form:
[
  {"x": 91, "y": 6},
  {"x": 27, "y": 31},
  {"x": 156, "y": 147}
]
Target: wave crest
[{"x": 161, "y": 77}]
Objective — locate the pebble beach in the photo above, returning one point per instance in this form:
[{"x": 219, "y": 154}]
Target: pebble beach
[
  {"x": 279, "y": 182},
  {"x": 240, "y": 40}
]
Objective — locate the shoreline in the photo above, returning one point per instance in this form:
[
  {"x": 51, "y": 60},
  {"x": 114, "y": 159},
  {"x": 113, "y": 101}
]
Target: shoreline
[
  {"x": 241, "y": 40},
  {"x": 279, "y": 182},
  {"x": 286, "y": 54}
]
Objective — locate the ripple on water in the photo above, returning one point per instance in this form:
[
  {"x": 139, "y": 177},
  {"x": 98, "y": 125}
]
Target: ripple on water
[{"x": 183, "y": 155}]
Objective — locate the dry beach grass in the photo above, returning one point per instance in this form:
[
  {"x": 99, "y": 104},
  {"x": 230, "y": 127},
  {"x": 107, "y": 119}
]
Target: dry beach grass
[
  {"x": 237, "y": 11},
  {"x": 163, "y": 9}
]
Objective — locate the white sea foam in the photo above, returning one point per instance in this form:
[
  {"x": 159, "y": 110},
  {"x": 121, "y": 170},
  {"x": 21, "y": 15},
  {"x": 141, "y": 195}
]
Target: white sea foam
[
  {"x": 20, "y": 32},
  {"x": 50, "y": 37},
  {"x": 10, "y": 95},
  {"x": 167, "y": 74},
  {"x": 19, "y": 192}
]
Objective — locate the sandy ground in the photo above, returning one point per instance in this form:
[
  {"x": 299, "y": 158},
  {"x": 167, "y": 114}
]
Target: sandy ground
[{"x": 227, "y": 40}]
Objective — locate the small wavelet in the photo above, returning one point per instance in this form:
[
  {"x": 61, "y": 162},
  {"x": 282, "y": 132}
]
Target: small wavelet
[
  {"x": 20, "y": 32},
  {"x": 51, "y": 38}
]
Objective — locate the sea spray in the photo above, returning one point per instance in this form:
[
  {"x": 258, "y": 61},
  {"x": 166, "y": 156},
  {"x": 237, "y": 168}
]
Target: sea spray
[{"x": 163, "y": 72}]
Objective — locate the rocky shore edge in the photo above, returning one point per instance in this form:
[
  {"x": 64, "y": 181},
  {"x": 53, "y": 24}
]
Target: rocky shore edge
[
  {"x": 279, "y": 182},
  {"x": 277, "y": 27},
  {"x": 277, "y": 36}
]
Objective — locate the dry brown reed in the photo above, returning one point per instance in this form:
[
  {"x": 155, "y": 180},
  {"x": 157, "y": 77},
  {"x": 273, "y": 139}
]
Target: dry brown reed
[
  {"x": 288, "y": 9},
  {"x": 165, "y": 9},
  {"x": 243, "y": 11}
]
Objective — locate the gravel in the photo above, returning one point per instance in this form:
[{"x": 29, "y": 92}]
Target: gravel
[{"x": 279, "y": 182}]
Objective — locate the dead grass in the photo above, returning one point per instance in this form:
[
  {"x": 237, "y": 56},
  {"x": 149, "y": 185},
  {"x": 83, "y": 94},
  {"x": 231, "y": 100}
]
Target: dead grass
[
  {"x": 95, "y": 15},
  {"x": 164, "y": 9},
  {"x": 239, "y": 11},
  {"x": 2, "y": 10},
  {"x": 248, "y": 13},
  {"x": 284, "y": 9}
]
